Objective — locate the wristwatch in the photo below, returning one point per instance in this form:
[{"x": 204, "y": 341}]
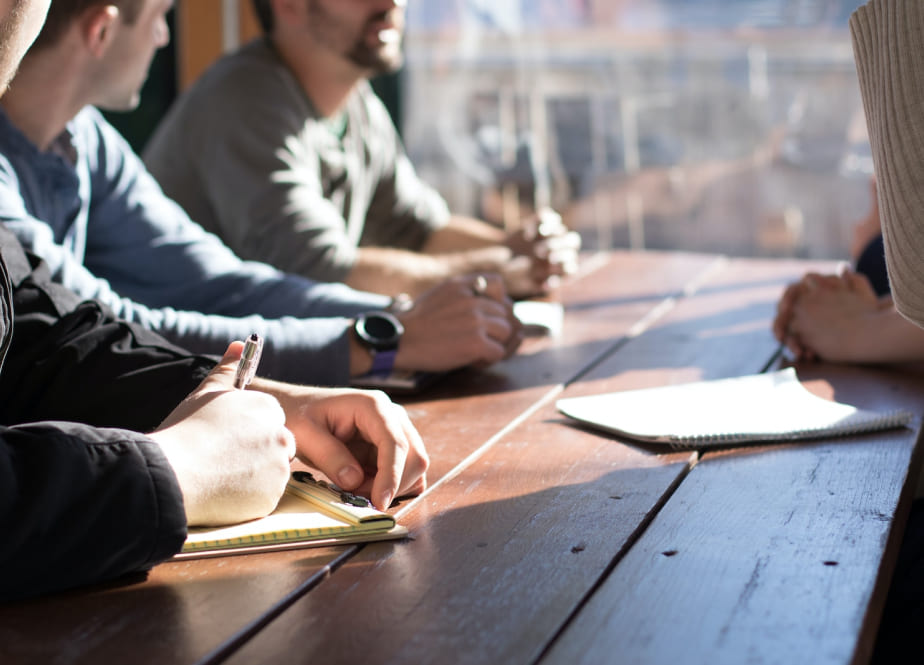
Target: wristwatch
[{"x": 380, "y": 332}]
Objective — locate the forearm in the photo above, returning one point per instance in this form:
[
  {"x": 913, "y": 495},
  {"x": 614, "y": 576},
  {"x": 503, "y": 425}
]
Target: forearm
[
  {"x": 891, "y": 338},
  {"x": 394, "y": 271},
  {"x": 207, "y": 278},
  {"x": 881, "y": 337},
  {"x": 463, "y": 233}
]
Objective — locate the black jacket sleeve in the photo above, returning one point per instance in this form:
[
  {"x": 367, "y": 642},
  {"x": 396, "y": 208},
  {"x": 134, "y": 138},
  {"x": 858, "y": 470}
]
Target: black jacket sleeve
[
  {"x": 73, "y": 360},
  {"x": 80, "y": 505},
  {"x": 81, "y": 501}
]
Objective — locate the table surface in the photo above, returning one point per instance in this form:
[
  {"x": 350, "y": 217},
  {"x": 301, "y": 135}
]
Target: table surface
[{"x": 539, "y": 542}]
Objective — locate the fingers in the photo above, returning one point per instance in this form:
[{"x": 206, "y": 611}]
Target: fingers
[
  {"x": 554, "y": 257},
  {"x": 815, "y": 281},
  {"x": 810, "y": 283},
  {"x": 402, "y": 463},
  {"x": 514, "y": 341},
  {"x": 785, "y": 324},
  {"x": 323, "y": 449},
  {"x": 467, "y": 320},
  {"x": 488, "y": 285},
  {"x": 501, "y": 331},
  {"x": 562, "y": 250},
  {"x": 548, "y": 243},
  {"x": 366, "y": 444},
  {"x": 495, "y": 312},
  {"x": 545, "y": 223},
  {"x": 861, "y": 285},
  {"x": 784, "y": 311}
]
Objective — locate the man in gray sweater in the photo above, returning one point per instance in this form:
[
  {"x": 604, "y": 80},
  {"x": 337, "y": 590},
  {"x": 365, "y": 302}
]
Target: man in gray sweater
[{"x": 283, "y": 150}]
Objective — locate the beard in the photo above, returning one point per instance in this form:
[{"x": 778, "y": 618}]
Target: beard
[
  {"x": 385, "y": 59},
  {"x": 380, "y": 58}
]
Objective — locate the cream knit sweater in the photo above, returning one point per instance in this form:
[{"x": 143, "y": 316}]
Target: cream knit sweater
[{"x": 888, "y": 42}]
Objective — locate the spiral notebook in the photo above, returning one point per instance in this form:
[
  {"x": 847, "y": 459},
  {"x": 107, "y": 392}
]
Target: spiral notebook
[
  {"x": 311, "y": 513},
  {"x": 771, "y": 407}
]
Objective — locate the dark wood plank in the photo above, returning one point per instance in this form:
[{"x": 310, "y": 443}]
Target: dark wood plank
[
  {"x": 777, "y": 554},
  {"x": 499, "y": 555},
  {"x": 506, "y": 549},
  {"x": 602, "y": 306},
  {"x": 722, "y": 330},
  {"x": 195, "y": 610},
  {"x": 180, "y": 613}
]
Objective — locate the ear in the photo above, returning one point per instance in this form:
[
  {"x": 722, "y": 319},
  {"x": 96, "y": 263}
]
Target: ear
[{"x": 98, "y": 24}]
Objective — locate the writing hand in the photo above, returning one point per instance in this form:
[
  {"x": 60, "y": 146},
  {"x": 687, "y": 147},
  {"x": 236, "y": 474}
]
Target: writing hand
[{"x": 229, "y": 448}]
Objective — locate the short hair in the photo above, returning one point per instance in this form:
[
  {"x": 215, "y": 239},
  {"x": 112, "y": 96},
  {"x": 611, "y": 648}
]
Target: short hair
[
  {"x": 62, "y": 12},
  {"x": 264, "y": 11}
]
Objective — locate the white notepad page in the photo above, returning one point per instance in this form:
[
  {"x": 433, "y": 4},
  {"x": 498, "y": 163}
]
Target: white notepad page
[{"x": 761, "y": 407}]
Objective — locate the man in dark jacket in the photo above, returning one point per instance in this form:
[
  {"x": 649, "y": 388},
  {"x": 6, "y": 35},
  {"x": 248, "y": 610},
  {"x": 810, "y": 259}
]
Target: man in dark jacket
[{"x": 84, "y": 495}]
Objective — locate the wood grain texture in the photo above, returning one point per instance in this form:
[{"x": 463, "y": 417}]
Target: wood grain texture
[
  {"x": 542, "y": 542},
  {"x": 500, "y": 554},
  {"x": 602, "y": 305},
  {"x": 180, "y": 612},
  {"x": 768, "y": 554},
  {"x": 200, "y": 608},
  {"x": 507, "y": 550}
]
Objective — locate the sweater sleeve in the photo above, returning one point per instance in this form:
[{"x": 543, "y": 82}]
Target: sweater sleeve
[
  {"x": 888, "y": 41},
  {"x": 248, "y": 155},
  {"x": 152, "y": 265}
]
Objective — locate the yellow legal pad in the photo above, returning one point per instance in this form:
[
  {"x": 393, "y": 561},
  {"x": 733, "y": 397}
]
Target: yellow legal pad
[{"x": 311, "y": 513}]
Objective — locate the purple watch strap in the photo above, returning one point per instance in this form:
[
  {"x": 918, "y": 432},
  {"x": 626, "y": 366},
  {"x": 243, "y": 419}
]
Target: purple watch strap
[{"x": 383, "y": 362}]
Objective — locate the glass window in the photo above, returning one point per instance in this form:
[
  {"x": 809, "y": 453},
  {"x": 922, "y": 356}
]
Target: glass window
[{"x": 714, "y": 125}]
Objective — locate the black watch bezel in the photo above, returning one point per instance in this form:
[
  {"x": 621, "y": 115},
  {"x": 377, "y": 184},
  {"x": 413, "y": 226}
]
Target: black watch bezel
[{"x": 379, "y": 330}]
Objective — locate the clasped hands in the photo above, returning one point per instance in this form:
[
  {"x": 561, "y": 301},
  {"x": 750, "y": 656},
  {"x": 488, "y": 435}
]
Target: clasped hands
[
  {"x": 544, "y": 250},
  {"x": 829, "y": 317}
]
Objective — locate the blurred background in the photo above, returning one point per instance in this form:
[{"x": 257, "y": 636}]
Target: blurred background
[{"x": 730, "y": 126}]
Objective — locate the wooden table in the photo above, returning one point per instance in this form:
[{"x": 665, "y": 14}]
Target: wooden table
[{"x": 541, "y": 542}]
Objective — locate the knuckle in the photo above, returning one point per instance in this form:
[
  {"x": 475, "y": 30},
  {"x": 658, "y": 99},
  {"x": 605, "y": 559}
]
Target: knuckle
[
  {"x": 378, "y": 400},
  {"x": 423, "y": 462}
]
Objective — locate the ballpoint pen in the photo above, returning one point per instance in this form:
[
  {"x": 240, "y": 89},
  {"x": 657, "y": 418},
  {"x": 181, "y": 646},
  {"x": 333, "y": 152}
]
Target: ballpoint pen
[{"x": 250, "y": 358}]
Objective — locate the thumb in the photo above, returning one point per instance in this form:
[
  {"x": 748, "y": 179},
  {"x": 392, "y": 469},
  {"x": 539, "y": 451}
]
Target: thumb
[
  {"x": 222, "y": 375},
  {"x": 220, "y": 379}
]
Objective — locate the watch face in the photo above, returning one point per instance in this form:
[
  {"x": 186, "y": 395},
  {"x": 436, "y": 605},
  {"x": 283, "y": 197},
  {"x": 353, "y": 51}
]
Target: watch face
[{"x": 380, "y": 330}]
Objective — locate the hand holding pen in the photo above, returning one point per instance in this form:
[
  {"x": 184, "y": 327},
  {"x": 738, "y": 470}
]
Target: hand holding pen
[{"x": 230, "y": 449}]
